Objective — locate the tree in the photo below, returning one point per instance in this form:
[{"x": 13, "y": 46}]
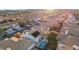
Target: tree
[
  {"x": 3, "y": 31},
  {"x": 17, "y": 35},
  {"x": 52, "y": 41},
  {"x": 21, "y": 24},
  {"x": 57, "y": 28},
  {"x": 78, "y": 23}
]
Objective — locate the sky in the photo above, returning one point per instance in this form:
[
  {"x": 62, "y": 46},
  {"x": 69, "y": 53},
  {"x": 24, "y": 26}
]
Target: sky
[{"x": 38, "y": 4}]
